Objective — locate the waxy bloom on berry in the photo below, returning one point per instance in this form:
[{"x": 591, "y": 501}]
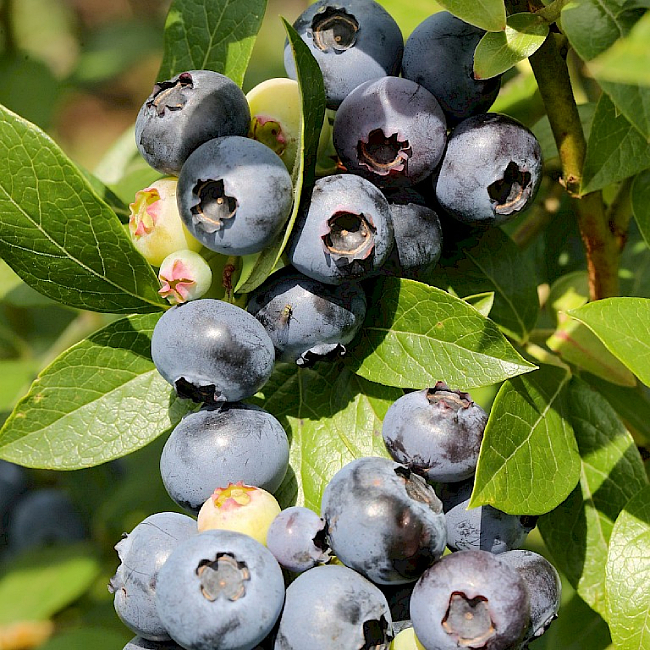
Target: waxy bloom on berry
[{"x": 155, "y": 225}]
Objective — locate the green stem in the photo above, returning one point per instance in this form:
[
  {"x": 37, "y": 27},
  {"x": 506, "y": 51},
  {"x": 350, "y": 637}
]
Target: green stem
[
  {"x": 7, "y": 26},
  {"x": 619, "y": 213},
  {"x": 601, "y": 247},
  {"x": 551, "y": 13}
]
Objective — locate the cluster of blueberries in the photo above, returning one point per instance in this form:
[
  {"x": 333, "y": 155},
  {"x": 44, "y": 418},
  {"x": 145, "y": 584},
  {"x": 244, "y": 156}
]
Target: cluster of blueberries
[{"x": 245, "y": 574}]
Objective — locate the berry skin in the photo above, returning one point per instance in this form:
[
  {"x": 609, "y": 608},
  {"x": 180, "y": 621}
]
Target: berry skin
[
  {"x": 155, "y": 226},
  {"x": 484, "y": 527},
  {"x": 333, "y": 608},
  {"x": 219, "y": 445},
  {"x": 306, "y": 319},
  {"x": 186, "y": 111},
  {"x": 383, "y": 521},
  {"x": 242, "y": 508},
  {"x": 297, "y": 539},
  {"x": 212, "y": 351},
  {"x": 220, "y": 589},
  {"x": 490, "y": 172},
  {"x": 142, "y": 552},
  {"x": 44, "y": 517},
  {"x": 344, "y": 233},
  {"x": 13, "y": 482},
  {"x": 138, "y": 643},
  {"x": 470, "y": 599},
  {"x": 544, "y": 588},
  {"x": 184, "y": 275},
  {"x": 352, "y": 41},
  {"x": 418, "y": 235},
  {"x": 439, "y": 55},
  {"x": 234, "y": 195},
  {"x": 391, "y": 131},
  {"x": 436, "y": 432}
]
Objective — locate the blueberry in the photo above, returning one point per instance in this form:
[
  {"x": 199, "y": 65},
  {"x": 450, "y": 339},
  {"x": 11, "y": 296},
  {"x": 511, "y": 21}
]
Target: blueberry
[
  {"x": 220, "y": 589},
  {"x": 242, "y": 508},
  {"x": 333, "y": 608},
  {"x": 352, "y": 41},
  {"x": 219, "y": 445},
  {"x": 344, "y": 231},
  {"x": 186, "y": 111},
  {"x": 470, "y": 599},
  {"x": 234, "y": 195},
  {"x": 391, "y": 131},
  {"x": 544, "y": 588},
  {"x": 306, "y": 319},
  {"x": 184, "y": 275},
  {"x": 297, "y": 539},
  {"x": 484, "y": 527},
  {"x": 142, "y": 552},
  {"x": 13, "y": 482},
  {"x": 439, "y": 55},
  {"x": 383, "y": 521},
  {"x": 491, "y": 170},
  {"x": 138, "y": 643},
  {"x": 418, "y": 235},
  {"x": 212, "y": 351},
  {"x": 437, "y": 432},
  {"x": 43, "y": 517}
]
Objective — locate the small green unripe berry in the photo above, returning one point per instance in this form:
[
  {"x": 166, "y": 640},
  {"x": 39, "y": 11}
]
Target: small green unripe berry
[
  {"x": 242, "y": 508},
  {"x": 155, "y": 225},
  {"x": 406, "y": 640},
  {"x": 184, "y": 275}
]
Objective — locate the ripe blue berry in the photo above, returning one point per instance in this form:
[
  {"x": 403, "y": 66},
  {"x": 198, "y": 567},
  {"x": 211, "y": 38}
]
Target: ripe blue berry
[
  {"x": 297, "y": 539},
  {"x": 234, "y": 195},
  {"x": 344, "y": 232},
  {"x": 219, "y": 445},
  {"x": 352, "y": 41},
  {"x": 383, "y": 520},
  {"x": 491, "y": 170},
  {"x": 333, "y": 608},
  {"x": 391, "y": 131},
  {"x": 212, "y": 351},
  {"x": 470, "y": 599},
  {"x": 142, "y": 552},
  {"x": 544, "y": 588},
  {"x": 306, "y": 319},
  {"x": 186, "y": 111},
  {"x": 220, "y": 589},
  {"x": 484, "y": 527},
  {"x": 436, "y": 432},
  {"x": 439, "y": 55}
]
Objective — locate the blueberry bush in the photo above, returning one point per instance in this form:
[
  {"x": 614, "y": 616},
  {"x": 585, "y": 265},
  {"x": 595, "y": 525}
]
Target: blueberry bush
[{"x": 544, "y": 317}]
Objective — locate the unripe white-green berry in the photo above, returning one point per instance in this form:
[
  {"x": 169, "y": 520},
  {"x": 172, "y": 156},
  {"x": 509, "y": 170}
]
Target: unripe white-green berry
[
  {"x": 184, "y": 275},
  {"x": 155, "y": 225}
]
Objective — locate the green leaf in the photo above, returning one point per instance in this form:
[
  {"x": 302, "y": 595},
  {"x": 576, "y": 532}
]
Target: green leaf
[
  {"x": 519, "y": 98},
  {"x": 529, "y": 459},
  {"x": 623, "y": 325},
  {"x": 633, "y": 102},
  {"x": 408, "y": 15},
  {"x": 500, "y": 51},
  {"x": 628, "y": 575},
  {"x": 101, "y": 399},
  {"x": 58, "y": 235},
  {"x": 211, "y": 35},
  {"x": 592, "y": 26},
  {"x": 577, "y": 532},
  {"x": 640, "y": 197},
  {"x": 332, "y": 417},
  {"x": 493, "y": 263},
  {"x": 578, "y": 345},
  {"x": 482, "y": 302},
  {"x": 415, "y": 335},
  {"x": 628, "y": 60},
  {"x": 41, "y": 582},
  {"x": 97, "y": 638},
  {"x": 615, "y": 150},
  {"x": 486, "y": 14},
  {"x": 312, "y": 93}
]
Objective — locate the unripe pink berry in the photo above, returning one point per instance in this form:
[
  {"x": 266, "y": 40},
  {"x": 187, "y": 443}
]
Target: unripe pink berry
[
  {"x": 242, "y": 508},
  {"x": 184, "y": 275}
]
